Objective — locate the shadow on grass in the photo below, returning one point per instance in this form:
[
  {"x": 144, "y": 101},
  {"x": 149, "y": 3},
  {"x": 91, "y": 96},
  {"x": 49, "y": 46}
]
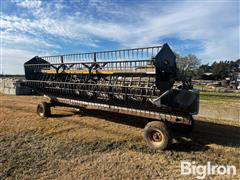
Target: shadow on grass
[
  {"x": 204, "y": 133},
  {"x": 60, "y": 115}
]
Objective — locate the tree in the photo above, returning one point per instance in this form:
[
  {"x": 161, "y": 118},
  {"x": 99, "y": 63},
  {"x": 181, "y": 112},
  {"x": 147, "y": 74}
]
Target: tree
[
  {"x": 221, "y": 69},
  {"x": 203, "y": 69},
  {"x": 188, "y": 64}
]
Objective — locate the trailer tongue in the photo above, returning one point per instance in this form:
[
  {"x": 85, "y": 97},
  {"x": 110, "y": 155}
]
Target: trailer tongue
[{"x": 137, "y": 81}]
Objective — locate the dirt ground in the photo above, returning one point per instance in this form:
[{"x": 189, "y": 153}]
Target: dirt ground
[{"x": 101, "y": 145}]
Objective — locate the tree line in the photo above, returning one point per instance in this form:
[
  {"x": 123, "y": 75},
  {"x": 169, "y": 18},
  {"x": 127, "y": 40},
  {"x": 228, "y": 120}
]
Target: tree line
[{"x": 191, "y": 65}]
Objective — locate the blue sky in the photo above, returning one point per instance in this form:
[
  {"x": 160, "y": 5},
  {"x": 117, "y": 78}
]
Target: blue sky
[{"x": 210, "y": 29}]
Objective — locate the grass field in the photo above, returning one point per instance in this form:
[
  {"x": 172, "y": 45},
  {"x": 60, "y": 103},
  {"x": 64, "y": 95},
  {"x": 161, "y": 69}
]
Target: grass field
[
  {"x": 100, "y": 145},
  {"x": 220, "y": 98}
]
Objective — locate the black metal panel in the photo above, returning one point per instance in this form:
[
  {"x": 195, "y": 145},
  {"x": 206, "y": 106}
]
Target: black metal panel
[
  {"x": 34, "y": 72},
  {"x": 165, "y": 63}
]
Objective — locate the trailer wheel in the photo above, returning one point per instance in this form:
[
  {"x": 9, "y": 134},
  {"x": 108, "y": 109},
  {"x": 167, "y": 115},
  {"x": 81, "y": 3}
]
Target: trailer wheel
[
  {"x": 43, "y": 109},
  {"x": 157, "y": 135}
]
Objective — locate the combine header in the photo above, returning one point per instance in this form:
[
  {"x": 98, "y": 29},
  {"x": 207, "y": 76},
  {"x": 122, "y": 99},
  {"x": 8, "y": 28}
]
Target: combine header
[{"x": 139, "y": 81}]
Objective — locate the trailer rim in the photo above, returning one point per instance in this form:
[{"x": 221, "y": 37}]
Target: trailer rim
[
  {"x": 40, "y": 110},
  {"x": 157, "y": 135}
]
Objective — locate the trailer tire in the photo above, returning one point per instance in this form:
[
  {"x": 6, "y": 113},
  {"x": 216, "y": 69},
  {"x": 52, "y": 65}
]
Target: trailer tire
[
  {"x": 44, "y": 109},
  {"x": 157, "y": 135}
]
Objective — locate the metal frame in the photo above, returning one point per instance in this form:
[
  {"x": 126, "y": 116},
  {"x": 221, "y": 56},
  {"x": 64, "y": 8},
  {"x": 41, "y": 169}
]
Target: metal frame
[
  {"x": 127, "y": 78},
  {"x": 59, "y": 101}
]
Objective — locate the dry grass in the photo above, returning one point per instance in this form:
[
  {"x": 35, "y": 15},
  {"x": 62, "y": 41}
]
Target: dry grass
[{"x": 99, "y": 145}]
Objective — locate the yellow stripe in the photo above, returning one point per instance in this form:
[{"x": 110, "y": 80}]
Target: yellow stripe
[
  {"x": 77, "y": 72},
  {"x": 107, "y": 72}
]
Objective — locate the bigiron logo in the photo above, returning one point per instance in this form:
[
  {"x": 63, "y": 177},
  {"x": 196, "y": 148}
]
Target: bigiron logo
[{"x": 202, "y": 171}]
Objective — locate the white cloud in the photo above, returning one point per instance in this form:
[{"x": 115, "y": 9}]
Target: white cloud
[
  {"x": 9, "y": 38},
  {"x": 29, "y": 4},
  {"x": 223, "y": 46},
  {"x": 215, "y": 25},
  {"x": 12, "y": 60}
]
